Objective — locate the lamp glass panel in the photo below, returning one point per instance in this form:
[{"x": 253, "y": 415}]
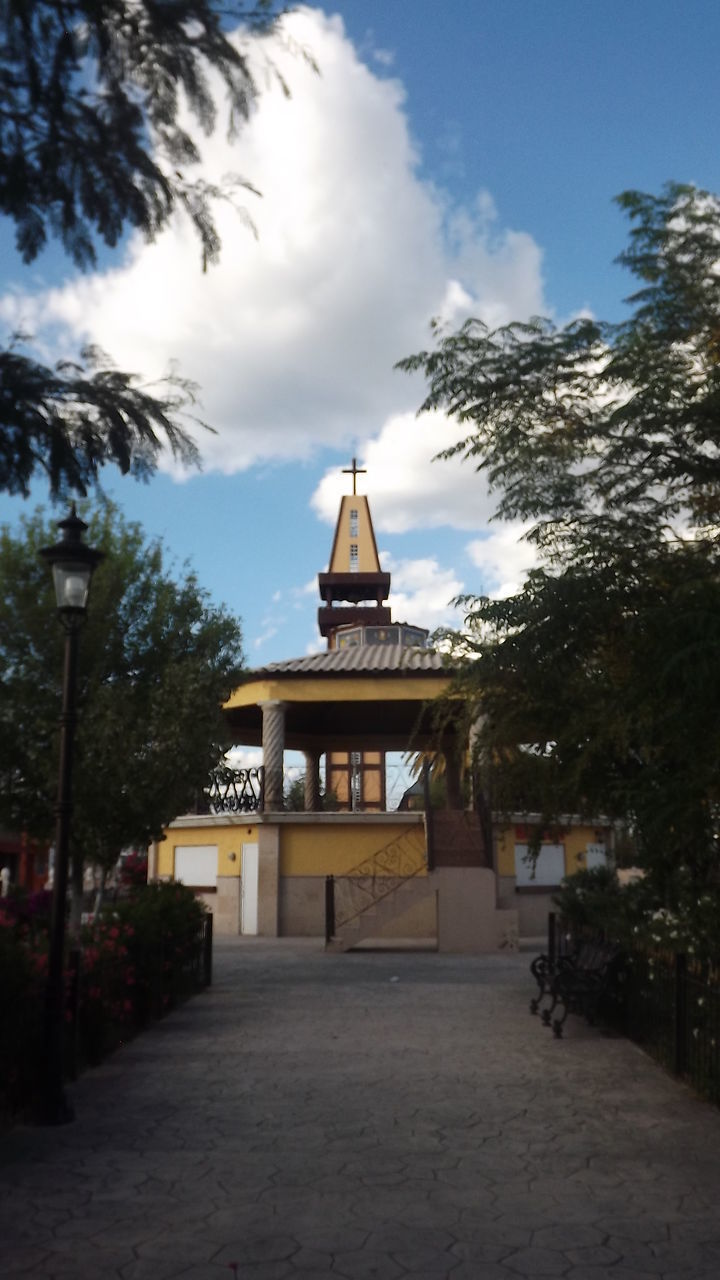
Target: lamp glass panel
[{"x": 72, "y": 584}]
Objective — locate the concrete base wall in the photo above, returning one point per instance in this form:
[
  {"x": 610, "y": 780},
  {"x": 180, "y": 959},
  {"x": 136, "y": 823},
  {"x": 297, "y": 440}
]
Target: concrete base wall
[
  {"x": 532, "y": 907},
  {"x": 302, "y": 912},
  {"x": 226, "y": 909},
  {"x": 468, "y": 919},
  {"x": 302, "y": 906},
  {"x": 419, "y": 921}
]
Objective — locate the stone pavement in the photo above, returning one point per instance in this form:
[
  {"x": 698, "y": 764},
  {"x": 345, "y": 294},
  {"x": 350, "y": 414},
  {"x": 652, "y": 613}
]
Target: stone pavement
[{"x": 367, "y": 1115}]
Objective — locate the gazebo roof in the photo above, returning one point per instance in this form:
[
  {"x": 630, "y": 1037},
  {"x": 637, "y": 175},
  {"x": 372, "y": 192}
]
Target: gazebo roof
[
  {"x": 376, "y": 659},
  {"x": 363, "y": 697}
]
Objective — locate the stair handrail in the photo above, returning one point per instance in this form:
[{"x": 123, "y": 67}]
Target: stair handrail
[{"x": 396, "y": 863}]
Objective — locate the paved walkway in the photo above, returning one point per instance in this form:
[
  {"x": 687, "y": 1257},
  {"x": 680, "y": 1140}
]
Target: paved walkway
[{"x": 367, "y": 1115}]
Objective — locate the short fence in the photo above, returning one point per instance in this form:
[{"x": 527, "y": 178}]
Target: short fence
[
  {"x": 100, "y": 1013},
  {"x": 669, "y": 1004},
  {"x": 106, "y": 1004}
]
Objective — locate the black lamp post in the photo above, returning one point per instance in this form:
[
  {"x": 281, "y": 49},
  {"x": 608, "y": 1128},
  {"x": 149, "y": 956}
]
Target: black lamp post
[{"x": 72, "y": 564}]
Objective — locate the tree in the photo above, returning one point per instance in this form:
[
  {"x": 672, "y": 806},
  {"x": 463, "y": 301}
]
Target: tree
[
  {"x": 597, "y": 684},
  {"x": 603, "y": 434},
  {"x": 156, "y": 660},
  {"x": 93, "y": 99}
]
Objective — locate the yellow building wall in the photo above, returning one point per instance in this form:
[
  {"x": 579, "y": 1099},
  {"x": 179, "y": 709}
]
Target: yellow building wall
[
  {"x": 574, "y": 839},
  {"x": 338, "y": 849},
  {"x": 228, "y": 839}
]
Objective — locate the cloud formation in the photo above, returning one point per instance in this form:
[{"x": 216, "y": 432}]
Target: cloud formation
[
  {"x": 293, "y": 336},
  {"x": 421, "y": 592},
  {"x": 504, "y": 558}
]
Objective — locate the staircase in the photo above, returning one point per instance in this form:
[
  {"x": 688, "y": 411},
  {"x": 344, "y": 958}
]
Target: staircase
[
  {"x": 381, "y": 888},
  {"x": 457, "y": 839},
  {"x": 370, "y": 922}
]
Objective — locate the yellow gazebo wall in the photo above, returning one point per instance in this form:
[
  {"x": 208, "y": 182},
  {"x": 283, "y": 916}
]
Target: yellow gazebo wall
[
  {"x": 533, "y": 904},
  {"x": 338, "y": 845},
  {"x": 224, "y": 903},
  {"x": 309, "y": 848}
]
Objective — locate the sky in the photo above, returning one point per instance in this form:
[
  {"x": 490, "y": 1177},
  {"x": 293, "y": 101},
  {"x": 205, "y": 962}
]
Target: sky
[{"x": 444, "y": 160}]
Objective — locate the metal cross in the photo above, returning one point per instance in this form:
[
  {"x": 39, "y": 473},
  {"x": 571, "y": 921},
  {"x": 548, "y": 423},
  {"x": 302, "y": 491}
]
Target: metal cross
[{"x": 354, "y": 471}]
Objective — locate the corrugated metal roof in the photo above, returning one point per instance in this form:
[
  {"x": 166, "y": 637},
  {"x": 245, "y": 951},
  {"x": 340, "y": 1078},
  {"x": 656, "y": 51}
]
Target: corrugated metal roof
[{"x": 375, "y": 658}]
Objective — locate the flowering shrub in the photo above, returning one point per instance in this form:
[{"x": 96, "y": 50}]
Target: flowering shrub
[
  {"x": 634, "y": 914},
  {"x": 136, "y": 960},
  {"x": 134, "y": 870}
]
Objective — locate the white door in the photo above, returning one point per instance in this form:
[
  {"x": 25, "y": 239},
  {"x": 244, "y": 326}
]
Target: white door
[{"x": 249, "y": 889}]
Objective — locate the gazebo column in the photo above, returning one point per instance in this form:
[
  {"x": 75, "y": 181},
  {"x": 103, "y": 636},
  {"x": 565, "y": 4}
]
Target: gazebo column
[
  {"x": 312, "y": 781},
  {"x": 273, "y": 745}
]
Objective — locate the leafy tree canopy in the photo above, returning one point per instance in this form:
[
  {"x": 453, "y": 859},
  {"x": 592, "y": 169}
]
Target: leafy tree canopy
[
  {"x": 602, "y": 433},
  {"x": 156, "y": 660},
  {"x": 94, "y": 98},
  {"x": 597, "y": 686}
]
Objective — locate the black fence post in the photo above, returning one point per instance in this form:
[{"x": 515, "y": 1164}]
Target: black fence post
[
  {"x": 680, "y": 1014},
  {"x": 329, "y": 908},
  {"x": 207, "y": 950}
]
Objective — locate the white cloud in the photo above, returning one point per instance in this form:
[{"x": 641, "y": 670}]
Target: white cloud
[
  {"x": 504, "y": 559},
  {"x": 293, "y": 337},
  {"x": 421, "y": 592},
  {"x": 410, "y": 490}
]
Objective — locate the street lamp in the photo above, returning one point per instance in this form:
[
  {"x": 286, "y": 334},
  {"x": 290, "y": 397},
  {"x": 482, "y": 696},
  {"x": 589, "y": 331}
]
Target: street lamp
[{"x": 72, "y": 564}]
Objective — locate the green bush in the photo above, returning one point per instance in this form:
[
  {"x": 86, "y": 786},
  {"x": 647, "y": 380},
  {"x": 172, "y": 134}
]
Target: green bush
[
  {"x": 589, "y": 899},
  {"x": 137, "y": 960},
  {"x": 639, "y": 915},
  {"x": 161, "y": 926}
]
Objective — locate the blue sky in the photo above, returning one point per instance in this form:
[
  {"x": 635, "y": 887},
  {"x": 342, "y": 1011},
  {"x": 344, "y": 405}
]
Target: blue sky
[{"x": 448, "y": 159}]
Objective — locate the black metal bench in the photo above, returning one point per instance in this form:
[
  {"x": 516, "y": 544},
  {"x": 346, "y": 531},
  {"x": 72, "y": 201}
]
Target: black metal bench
[{"x": 574, "y": 983}]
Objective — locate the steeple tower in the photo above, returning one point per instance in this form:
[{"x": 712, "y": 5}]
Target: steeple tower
[{"x": 354, "y": 588}]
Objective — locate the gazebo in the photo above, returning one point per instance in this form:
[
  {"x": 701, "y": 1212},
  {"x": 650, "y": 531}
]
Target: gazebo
[{"x": 354, "y": 871}]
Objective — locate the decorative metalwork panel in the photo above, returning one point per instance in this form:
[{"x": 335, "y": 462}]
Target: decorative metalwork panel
[
  {"x": 379, "y": 875},
  {"x": 236, "y": 790}
]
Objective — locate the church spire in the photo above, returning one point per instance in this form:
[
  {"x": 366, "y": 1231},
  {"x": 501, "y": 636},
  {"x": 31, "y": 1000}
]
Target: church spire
[{"x": 354, "y": 575}]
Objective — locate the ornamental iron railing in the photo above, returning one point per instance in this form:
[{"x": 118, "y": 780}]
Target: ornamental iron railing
[
  {"x": 236, "y": 790},
  {"x": 375, "y": 878}
]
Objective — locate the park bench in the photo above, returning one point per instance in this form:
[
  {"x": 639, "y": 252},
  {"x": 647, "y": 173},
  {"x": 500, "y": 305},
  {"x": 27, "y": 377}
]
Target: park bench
[{"x": 574, "y": 983}]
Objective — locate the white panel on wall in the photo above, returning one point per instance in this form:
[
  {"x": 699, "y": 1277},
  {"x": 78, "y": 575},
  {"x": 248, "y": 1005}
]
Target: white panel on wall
[
  {"x": 548, "y": 870},
  {"x": 196, "y": 864},
  {"x": 596, "y": 856}
]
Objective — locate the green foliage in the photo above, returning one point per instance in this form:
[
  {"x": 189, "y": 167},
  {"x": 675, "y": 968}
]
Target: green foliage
[
  {"x": 589, "y": 899},
  {"x": 162, "y": 913},
  {"x": 94, "y": 142},
  {"x": 137, "y": 961},
  {"x": 67, "y": 423},
  {"x": 156, "y": 660},
  {"x": 602, "y": 433},
  {"x": 294, "y": 799},
  {"x": 596, "y": 688},
  {"x": 636, "y": 916},
  {"x": 92, "y": 132}
]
